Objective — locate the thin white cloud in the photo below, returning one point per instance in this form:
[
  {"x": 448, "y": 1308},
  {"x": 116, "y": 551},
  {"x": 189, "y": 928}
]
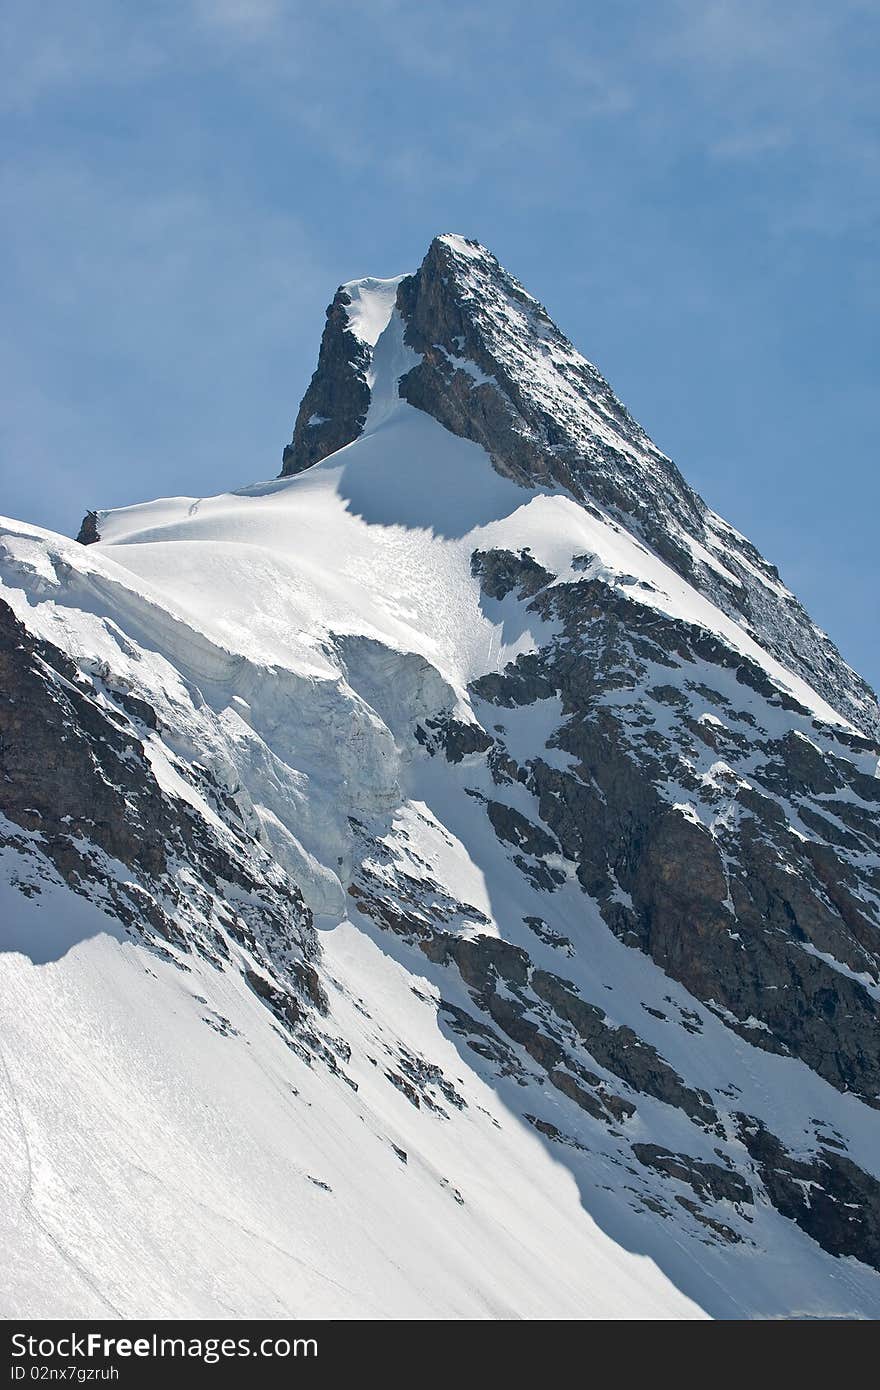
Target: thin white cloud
[
  {"x": 250, "y": 19},
  {"x": 67, "y": 47},
  {"x": 752, "y": 143}
]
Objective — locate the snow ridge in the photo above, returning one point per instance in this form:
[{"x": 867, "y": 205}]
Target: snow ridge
[
  {"x": 547, "y": 416},
  {"x": 515, "y": 950}
]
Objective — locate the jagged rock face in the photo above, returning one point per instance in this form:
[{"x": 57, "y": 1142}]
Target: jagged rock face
[
  {"x": 78, "y": 785},
  {"x": 536, "y": 1009},
  {"x": 721, "y": 829},
  {"x": 497, "y": 370},
  {"x": 477, "y": 329},
  {"x": 88, "y": 533},
  {"x": 718, "y": 826},
  {"x": 334, "y": 408},
  {"x": 535, "y": 1026},
  {"x": 826, "y": 1194}
]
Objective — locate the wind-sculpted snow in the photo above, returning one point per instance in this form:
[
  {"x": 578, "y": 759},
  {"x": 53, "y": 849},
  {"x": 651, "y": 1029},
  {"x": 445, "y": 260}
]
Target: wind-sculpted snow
[
  {"x": 261, "y": 731},
  {"x": 441, "y": 882}
]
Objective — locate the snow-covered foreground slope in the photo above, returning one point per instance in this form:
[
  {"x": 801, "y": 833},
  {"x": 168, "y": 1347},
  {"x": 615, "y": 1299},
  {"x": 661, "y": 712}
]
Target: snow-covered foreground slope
[
  {"x": 423, "y": 896},
  {"x": 168, "y": 1156}
]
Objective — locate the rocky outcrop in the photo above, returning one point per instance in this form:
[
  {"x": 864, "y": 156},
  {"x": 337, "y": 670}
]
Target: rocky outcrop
[
  {"x": 88, "y": 533},
  {"x": 828, "y": 1195},
  {"x": 568, "y": 1037},
  {"x": 524, "y": 1017},
  {"x": 335, "y": 405},
  {"x": 688, "y": 819},
  {"x": 80, "y": 797},
  {"x": 470, "y": 376},
  {"x": 500, "y": 572},
  {"x": 708, "y": 1180},
  {"x": 495, "y": 369},
  {"x": 721, "y": 829}
]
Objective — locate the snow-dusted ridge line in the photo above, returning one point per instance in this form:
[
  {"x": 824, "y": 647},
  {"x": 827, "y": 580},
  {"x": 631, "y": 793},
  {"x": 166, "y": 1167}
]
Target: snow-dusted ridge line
[
  {"x": 545, "y": 413},
  {"x": 526, "y": 773},
  {"x": 410, "y": 441}
]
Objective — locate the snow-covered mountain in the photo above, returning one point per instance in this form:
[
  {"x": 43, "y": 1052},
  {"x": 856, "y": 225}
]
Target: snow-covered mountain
[{"x": 441, "y": 882}]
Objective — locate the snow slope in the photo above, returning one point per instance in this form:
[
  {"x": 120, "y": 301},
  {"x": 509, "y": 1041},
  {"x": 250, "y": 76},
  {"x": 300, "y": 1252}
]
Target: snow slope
[
  {"x": 156, "y": 1166},
  {"x": 164, "y": 1150}
]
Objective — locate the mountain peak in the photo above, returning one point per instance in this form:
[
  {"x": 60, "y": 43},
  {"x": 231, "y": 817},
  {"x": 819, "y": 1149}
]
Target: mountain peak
[
  {"x": 333, "y": 410},
  {"x": 488, "y": 363},
  {"x": 568, "y": 780}
]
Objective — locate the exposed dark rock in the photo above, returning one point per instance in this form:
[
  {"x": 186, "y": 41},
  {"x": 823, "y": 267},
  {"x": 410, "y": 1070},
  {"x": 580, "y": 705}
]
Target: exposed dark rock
[
  {"x": 505, "y": 984},
  {"x": 711, "y": 1181},
  {"x": 428, "y": 1078},
  {"x": 457, "y": 739},
  {"x": 405, "y": 1087},
  {"x": 481, "y": 960},
  {"x": 335, "y": 405},
  {"x": 620, "y": 1050},
  {"x": 61, "y": 756},
  {"x": 727, "y": 1233},
  {"x": 550, "y": 1131},
  {"x": 541, "y": 876},
  {"x": 478, "y": 333},
  {"x": 515, "y": 829},
  {"x": 74, "y": 776},
  {"x": 136, "y": 707},
  {"x": 548, "y": 936},
  {"x": 500, "y": 572},
  {"x": 828, "y": 1195},
  {"x": 728, "y": 913},
  {"x": 283, "y": 1004},
  {"x": 88, "y": 532},
  {"x": 480, "y": 1038},
  {"x": 569, "y": 1086}
]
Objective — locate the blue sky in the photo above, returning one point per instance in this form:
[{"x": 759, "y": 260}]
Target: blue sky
[{"x": 690, "y": 186}]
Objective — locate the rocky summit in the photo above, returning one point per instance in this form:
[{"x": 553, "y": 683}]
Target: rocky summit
[{"x": 442, "y": 881}]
